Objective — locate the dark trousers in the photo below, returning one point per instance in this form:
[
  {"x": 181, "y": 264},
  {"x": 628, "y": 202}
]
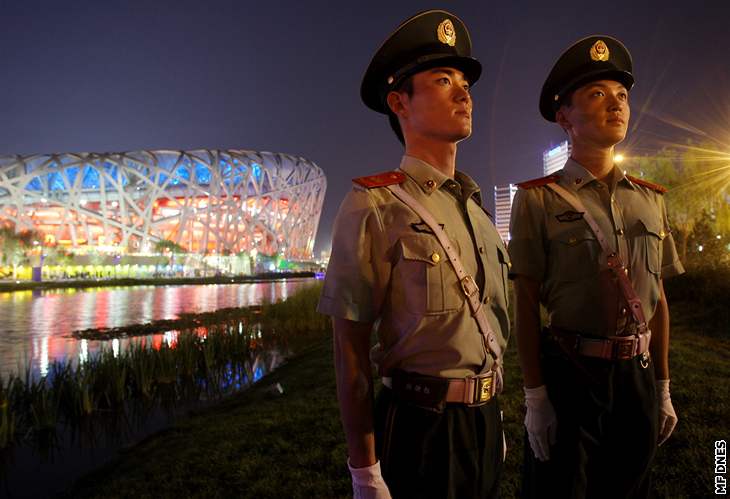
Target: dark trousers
[
  {"x": 607, "y": 416},
  {"x": 454, "y": 454}
]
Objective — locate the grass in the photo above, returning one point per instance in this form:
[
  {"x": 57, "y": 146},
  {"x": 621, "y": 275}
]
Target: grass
[
  {"x": 259, "y": 444},
  {"x": 256, "y": 444}
]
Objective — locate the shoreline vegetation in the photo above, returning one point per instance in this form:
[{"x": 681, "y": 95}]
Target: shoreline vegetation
[
  {"x": 213, "y": 355},
  {"x": 184, "y": 321},
  {"x": 10, "y": 286}
]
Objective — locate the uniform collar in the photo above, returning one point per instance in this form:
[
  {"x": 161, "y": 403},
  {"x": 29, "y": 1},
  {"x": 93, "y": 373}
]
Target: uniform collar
[
  {"x": 430, "y": 179},
  {"x": 468, "y": 186},
  {"x": 621, "y": 178},
  {"x": 576, "y": 176}
]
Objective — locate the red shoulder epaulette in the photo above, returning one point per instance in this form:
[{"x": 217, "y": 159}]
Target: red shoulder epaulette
[
  {"x": 380, "y": 179},
  {"x": 529, "y": 184},
  {"x": 651, "y": 185}
]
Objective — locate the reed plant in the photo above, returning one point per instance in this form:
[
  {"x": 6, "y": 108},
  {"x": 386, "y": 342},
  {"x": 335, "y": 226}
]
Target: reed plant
[{"x": 7, "y": 416}]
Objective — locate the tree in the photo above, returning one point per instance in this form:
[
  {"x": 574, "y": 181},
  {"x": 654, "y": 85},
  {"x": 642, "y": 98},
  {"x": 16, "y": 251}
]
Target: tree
[
  {"x": 168, "y": 246},
  {"x": 16, "y": 246},
  {"x": 707, "y": 247},
  {"x": 698, "y": 179}
]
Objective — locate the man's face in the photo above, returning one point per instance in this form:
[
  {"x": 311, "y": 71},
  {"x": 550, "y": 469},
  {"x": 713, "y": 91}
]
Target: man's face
[
  {"x": 439, "y": 107},
  {"x": 598, "y": 114}
]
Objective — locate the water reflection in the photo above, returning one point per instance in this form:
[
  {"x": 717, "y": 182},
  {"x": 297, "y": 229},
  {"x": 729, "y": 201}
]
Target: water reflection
[{"x": 36, "y": 330}]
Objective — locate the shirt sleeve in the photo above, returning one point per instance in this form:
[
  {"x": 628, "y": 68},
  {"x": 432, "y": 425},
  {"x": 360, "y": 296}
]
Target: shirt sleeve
[
  {"x": 671, "y": 265},
  {"x": 358, "y": 271},
  {"x": 527, "y": 231}
]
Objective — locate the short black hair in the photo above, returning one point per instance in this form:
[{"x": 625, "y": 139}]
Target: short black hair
[{"x": 405, "y": 86}]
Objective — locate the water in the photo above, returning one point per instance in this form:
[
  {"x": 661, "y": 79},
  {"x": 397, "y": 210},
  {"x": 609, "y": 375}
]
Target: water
[{"x": 35, "y": 326}]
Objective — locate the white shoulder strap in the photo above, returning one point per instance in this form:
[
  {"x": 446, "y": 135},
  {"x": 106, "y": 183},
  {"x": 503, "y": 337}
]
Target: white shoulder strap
[{"x": 468, "y": 285}]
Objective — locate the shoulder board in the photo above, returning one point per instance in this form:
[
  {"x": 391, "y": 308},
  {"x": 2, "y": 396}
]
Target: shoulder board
[
  {"x": 550, "y": 179},
  {"x": 380, "y": 179},
  {"x": 655, "y": 187}
]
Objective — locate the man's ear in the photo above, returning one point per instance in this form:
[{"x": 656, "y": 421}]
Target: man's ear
[
  {"x": 561, "y": 119},
  {"x": 396, "y": 103}
]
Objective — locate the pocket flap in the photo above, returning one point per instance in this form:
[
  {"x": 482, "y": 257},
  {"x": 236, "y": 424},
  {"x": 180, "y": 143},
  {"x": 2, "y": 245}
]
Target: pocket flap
[
  {"x": 575, "y": 236},
  {"x": 423, "y": 248},
  {"x": 653, "y": 226}
]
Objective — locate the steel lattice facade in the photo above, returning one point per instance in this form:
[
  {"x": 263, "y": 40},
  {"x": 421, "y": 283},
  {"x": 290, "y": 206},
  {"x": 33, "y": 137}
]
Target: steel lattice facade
[{"x": 207, "y": 201}]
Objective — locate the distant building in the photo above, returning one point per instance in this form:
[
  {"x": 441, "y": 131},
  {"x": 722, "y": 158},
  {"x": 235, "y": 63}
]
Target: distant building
[
  {"x": 207, "y": 202},
  {"x": 554, "y": 159},
  {"x": 503, "y": 196}
]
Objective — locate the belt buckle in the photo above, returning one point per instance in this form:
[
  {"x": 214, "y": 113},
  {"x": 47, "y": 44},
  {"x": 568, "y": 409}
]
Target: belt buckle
[
  {"x": 468, "y": 285},
  {"x": 623, "y": 349},
  {"x": 482, "y": 390}
]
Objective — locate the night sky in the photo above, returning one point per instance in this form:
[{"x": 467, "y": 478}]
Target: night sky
[{"x": 285, "y": 77}]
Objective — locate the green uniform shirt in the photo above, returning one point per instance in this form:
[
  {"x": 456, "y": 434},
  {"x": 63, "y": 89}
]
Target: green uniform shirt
[
  {"x": 387, "y": 267},
  {"x": 552, "y": 243}
]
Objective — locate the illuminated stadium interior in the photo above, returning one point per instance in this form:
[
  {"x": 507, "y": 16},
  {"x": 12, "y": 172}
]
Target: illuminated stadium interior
[{"x": 206, "y": 201}]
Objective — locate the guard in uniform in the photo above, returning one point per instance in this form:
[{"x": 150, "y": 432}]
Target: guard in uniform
[
  {"x": 592, "y": 245},
  {"x": 417, "y": 261}
]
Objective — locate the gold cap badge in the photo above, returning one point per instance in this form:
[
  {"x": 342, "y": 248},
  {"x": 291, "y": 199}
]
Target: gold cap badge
[
  {"x": 446, "y": 32},
  {"x": 599, "y": 51}
]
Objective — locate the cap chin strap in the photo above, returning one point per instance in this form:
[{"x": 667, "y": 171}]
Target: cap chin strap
[
  {"x": 468, "y": 285},
  {"x": 613, "y": 259}
]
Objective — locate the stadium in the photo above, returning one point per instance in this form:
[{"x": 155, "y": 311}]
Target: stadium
[{"x": 224, "y": 202}]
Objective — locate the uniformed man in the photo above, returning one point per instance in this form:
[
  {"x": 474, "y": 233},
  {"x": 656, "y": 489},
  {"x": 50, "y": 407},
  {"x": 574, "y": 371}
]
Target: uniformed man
[
  {"x": 593, "y": 246},
  {"x": 416, "y": 260}
]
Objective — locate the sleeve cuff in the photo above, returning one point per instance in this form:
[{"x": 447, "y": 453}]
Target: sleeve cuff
[
  {"x": 673, "y": 269},
  {"x": 342, "y": 310}
]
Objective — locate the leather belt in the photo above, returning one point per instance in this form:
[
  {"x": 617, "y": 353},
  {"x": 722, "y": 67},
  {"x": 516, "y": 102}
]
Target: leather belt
[
  {"x": 473, "y": 390},
  {"x": 610, "y": 348}
]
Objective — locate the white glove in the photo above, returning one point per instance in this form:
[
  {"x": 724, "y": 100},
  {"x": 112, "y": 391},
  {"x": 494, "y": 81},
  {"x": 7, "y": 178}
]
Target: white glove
[
  {"x": 667, "y": 416},
  {"x": 540, "y": 421},
  {"x": 368, "y": 483}
]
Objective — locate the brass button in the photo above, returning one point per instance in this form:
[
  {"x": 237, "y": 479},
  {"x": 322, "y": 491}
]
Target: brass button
[
  {"x": 430, "y": 183},
  {"x": 662, "y": 234},
  {"x": 509, "y": 265},
  {"x": 572, "y": 240},
  {"x": 620, "y": 232},
  {"x": 623, "y": 311},
  {"x": 481, "y": 249},
  {"x": 435, "y": 257}
]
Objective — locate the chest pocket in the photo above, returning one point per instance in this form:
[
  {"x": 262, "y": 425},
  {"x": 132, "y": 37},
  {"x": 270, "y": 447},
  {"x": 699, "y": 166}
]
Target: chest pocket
[
  {"x": 425, "y": 281},
  {"x": 649, "y": 238},
  {"x": 574, "y": 254}
]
